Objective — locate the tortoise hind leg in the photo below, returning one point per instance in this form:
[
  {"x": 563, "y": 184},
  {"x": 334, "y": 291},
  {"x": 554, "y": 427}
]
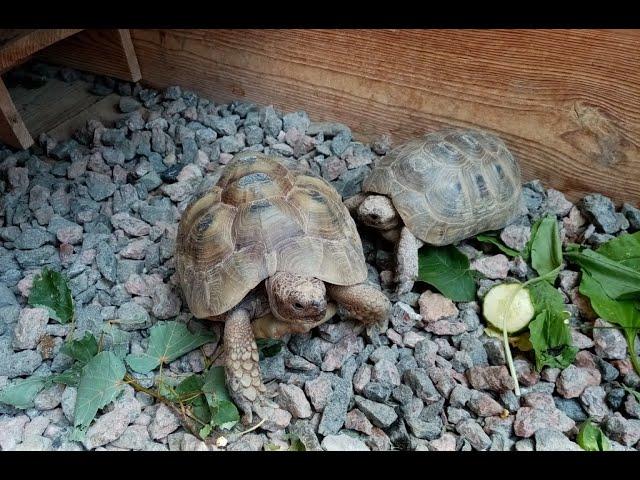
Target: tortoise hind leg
[
  {"x": 241, "y": 364},
  {"x": 363, "y": 302}
]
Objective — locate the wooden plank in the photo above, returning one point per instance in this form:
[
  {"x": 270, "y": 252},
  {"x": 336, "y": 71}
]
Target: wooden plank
[
  {"x": 18, "y": 45},
  {"x": 42, "y": 109},
  {"x": 105, "y": 52},
  {"x": 567, "y": 102},
  {"x": 105, "y": 109},
  {"x": 13, "y": 132}
]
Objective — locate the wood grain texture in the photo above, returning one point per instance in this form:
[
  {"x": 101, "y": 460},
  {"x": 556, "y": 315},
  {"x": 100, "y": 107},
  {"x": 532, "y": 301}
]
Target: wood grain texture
[
  {"x": 18, "y": 45},
  {"x": 13, "y": 131},
  {"x": 567, "y": 102},
  {"x": 105, "y": 52},
  {"x": 42, "y": 109}
]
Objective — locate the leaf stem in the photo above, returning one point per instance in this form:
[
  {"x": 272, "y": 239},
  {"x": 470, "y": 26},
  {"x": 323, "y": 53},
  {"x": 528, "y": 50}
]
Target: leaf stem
[
  {"x": 186, "y": 421},
  {"x": 633, "y": 355}
]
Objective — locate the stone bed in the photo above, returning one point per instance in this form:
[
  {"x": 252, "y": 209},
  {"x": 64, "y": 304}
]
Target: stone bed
[{"x": 103, "y": 208}]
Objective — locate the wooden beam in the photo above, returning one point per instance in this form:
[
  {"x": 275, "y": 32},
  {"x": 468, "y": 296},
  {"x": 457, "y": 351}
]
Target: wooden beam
[
  {"x": 17, "y": 45},
  {"x": 105, "y": 52},
  {"x": 13, "y": 132},
  {"x": 567, "y": 102}
]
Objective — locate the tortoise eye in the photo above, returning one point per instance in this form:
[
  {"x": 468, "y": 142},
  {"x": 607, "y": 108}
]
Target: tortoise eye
[{"x": 297, "y": 306}]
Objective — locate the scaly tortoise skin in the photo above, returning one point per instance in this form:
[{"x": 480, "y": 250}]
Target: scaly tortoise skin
[
  {"x": 449, "y": 185},
  {"x": 265, "y": 222}
]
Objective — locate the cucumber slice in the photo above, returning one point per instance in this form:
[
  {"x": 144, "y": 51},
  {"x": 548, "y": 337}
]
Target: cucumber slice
[{"x": 509, "y": 303}]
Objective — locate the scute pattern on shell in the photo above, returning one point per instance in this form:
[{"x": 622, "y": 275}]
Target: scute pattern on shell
[
  {"x": 450, "y": 185},
  {"x": 262, "y": 217}
]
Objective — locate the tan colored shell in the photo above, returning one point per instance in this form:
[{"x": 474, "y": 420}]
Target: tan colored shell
[
  {"x": 450, "y": 185},
  {"x": 262, "y": 217}
]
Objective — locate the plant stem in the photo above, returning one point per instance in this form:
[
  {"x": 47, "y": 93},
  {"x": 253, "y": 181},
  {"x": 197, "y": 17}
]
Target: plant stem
[
  {"x": 187, "y": 422},
  {"x": 507, "y": 348},
  {"x": 630, "y": 335}
]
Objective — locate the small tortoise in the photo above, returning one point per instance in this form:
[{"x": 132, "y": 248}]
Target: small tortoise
[
  {"x": 444, "y": 187},
  {"x": 264, "y": 221}
]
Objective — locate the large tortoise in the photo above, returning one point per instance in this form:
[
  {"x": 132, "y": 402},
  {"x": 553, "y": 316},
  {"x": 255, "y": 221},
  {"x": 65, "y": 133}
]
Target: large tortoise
[
  {"x": 264, "y": 221},
  {"x": 439, "y": 189}
]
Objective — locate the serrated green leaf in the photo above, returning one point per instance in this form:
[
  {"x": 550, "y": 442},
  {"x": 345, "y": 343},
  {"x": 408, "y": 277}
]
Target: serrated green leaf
[
  {"x": 268, "y": 347},
  {"x": 295, "y": 444},
  {"x": 592, "y": 439},
  {"x": 624, "y": 249},
  {"x": 100, "y": 383},
  {"x": 550, "y": 335},
  {"x": 493, "y": 239},
  {"x": 167, "y": 341},
  {"x": 21, "y": 393},
  {"x": 550, "y": 338},
  {"x": 546, "y": 247},
  {"x": 447, "y": 269},
  {"x": 81, "y": 350},
  {"x": 51, "y": 292}
]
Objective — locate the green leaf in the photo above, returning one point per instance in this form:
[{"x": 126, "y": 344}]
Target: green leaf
[
  {"x": 633, "y": 392},
  {"x": 268, "y": 347},
  {"x": 70, "y": 376},
  {"x": 550, "y": 335},
  {"x": 100, "y": 383},
  {"x": 295, "y": 444},
  {"x": 620, "y": 312},
  {"x": 546, "y": 247},
  {"x": 51, "y": 292},
  {"x": 81, "y": 350},
  {"x": 618, "y": 281},
  {"x": 624, "y": 249},
  {"x": 223, "y": 412},
  {"x": 167, "y": 341},
  {"x": 116, "y": 340},
  {"x": 492, "y": 237},
  {"x": 190, "y": 392},
  {"x": 447, "y": 269},
  {"x": 21, "y": 393},
  {"x": 546, "y": 297},
  {"x": 205, "y": 431},
  {"x": 551, "y": 341},
  {"x": 592, "y": 439}
]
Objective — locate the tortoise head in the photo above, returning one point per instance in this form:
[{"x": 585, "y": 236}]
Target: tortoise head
[
  {"x": 294, "y": 298},
  {"x": 378, "y": 212}
]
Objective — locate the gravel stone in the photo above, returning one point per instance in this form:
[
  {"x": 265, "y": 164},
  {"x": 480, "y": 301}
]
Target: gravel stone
[
  {"x": 549, "y": 439},
  {"x": 473, "y": 433},
  {"x": 30, "y": 328},
  {"x": 493, "y": 267},
  {"x": 344, "y": 443},
  {"x": 573, "y": 380},
  {"x": 495, "y": 378},
  {"x": 622, "y": 430},
  {"x": 434, "y": 307},
  {"x": 164, "y": 422},
  {"x": 380, "y": 415},
  {"x": 292, "y": 398},
  {"x": 529, "y": 420},
  {"x": 609, "y": 341},
  {"x": 133, "y": 317}
]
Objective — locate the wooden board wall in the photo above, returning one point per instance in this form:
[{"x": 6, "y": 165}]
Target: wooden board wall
[{"x": 566, "y": 101}]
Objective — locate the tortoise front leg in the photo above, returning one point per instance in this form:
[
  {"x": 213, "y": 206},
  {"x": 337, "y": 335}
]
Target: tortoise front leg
[
  {"x": 242, "y": 365},
  {"x": 362, "y": 301},
  {"x": 407, "y": 261}
]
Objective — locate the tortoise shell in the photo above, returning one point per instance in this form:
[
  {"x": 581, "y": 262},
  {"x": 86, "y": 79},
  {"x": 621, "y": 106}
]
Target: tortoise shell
[
  {"x": 450, "y": 185},
  {"x": 262, "y": 217}
]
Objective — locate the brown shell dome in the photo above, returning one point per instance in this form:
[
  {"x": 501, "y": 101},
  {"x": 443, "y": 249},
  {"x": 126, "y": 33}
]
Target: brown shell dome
[
  {"x": 262, "y": 217},
  {"x": 450, "y": 185}
]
